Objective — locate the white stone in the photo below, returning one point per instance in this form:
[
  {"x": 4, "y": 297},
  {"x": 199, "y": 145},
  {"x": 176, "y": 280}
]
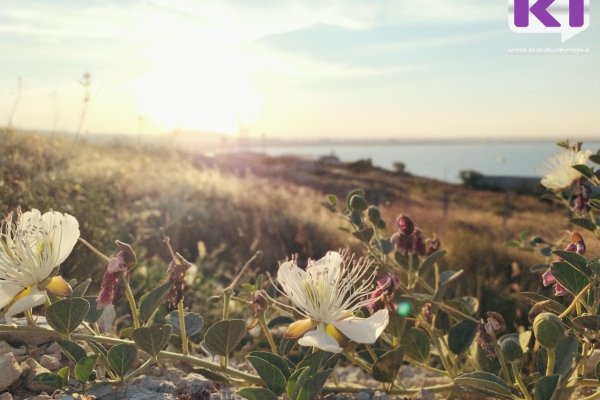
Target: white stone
[{"x": 11, "y": 371}]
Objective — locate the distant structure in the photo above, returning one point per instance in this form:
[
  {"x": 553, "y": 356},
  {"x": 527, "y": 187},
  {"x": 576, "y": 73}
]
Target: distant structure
[
  {"x": 519, "y": 184},
  {"x": 330, "y": 159}
]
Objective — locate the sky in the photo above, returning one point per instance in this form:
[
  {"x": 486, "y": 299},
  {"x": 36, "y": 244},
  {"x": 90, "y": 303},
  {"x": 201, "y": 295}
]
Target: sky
[{"x": 401, "y": 69}]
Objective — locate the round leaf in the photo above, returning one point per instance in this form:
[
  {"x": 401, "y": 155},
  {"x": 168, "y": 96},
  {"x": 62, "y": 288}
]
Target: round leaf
[
  {"x": 120, "y": 358},
  {"x": 152, "y": 339},
  {"x": 387, "y": 366},
  {"x": 269, "y": 373},
  {"x": 415, "y": 343},
  {"x": 152, "y": 300},
  {"x": 461, "y": 336},
  {"x": 252, "y": 393},
  {"x": 224, "y": 336},
  {"x": 66, "y": 315},
  {"x": 84, "y": 368},
  {"x": 193, "y": 322}
]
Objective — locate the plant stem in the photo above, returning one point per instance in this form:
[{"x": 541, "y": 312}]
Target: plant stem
[
  {"x": 29, "y": 317},
  {"x": 184, "y": 339},
  {"x": 267, "y": 332},
  {"x": 94, "y": 250},
  {"x": 131, "y": 300},
  {"x": 503, "y": 366},
  {"x": 519, "y": 380},
  {"x": 575, "y": 301},
  {"x": 371, "y": 352},
  {"x": 349, "y": 388},
  {"x": 550, "y": 365},
  {"x": 140, "y": 369}
]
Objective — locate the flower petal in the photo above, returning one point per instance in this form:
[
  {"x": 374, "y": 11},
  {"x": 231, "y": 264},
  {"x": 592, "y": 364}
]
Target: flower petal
[
  {"x": 298, "y": 328},
  {"x": 364, "y": 330},
  {"x": 8, "y": 291},
  {"x": 327, "y": 267},
  {"x": 321, "y": 340},
  {"x": 35, "y": 298},
  {"x": 547, "y": 278},
  {"x": 291, "y": 279},
  {"x": 63, "y": 234}
]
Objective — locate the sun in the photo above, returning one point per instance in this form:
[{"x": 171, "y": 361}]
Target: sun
[{"x": 198, "y": 87}]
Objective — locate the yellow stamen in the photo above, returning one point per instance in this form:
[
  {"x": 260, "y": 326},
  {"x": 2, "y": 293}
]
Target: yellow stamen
[
  {"x": 336, "y": 334},
  {"x": 298, "y": 329},
  {"x": 58, "y": 286},
  {"x": 19, "y": 296}
]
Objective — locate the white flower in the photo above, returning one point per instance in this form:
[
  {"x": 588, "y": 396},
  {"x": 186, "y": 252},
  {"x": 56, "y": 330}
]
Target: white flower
[
  {"x": 559, "y": 171},
  {"x": 31, "y": 249},
  {"x": 327, "y": 294}
]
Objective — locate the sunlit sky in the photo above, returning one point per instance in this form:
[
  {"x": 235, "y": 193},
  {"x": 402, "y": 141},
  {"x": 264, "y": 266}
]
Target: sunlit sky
[{"x": 295, "y": 69}]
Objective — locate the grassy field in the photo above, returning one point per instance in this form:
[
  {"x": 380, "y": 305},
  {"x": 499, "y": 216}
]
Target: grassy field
[{"x": 219, "y": 210}]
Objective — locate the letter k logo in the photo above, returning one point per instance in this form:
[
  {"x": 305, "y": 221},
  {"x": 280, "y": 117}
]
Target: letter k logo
[{"x": 539, "y": 9}]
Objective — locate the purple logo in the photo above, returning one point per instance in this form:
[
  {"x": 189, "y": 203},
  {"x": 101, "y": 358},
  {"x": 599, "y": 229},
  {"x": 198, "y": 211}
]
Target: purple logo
[{"x": 567, "y": 17}]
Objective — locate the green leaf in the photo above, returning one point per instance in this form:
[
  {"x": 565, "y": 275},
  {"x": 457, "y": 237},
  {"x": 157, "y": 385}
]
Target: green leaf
[
  {"x": 584, "y": 223},
  {"x": 595, "y": 203},
  {"x": 584, "y": 169},
  {"x": 364, "y": 235},
  {"x": 549, "y": 304},
  {"x": 591, "y": 322},
  {"x": 152, "y": 339},
  {"x": 484, "y": 382},
  {"x": 386, "y": 368},
  {"x": 79, "y": 290},
  {"x": 296, "y": 381},
  {"x": 121, "y": 357},
  {"x": 431, "y": 260},
  {"x": 271, "y": 375},
  {"x": 93, "y": 314},
  {"x": 224, "y": 336},
  {"x": 566, "y": 354},
  {"x": 569, "y": 276},
  {"x": 461, "y": 336},
  {"x": 576, "y": 260},
  {"x": 415, "y": 343},
  {"x": 84, "y": 368},
  {"x": 66, "y": 315},
  {"x": 281, "y": 364},
  {"x": 212, "y": 375},
  {"x": 448, "y": 276},
  {"x": 597, "y": 370},
  {"x": 332, "y": 199},
  {"x": 150, "y": 302},
  {"x": 72, "y": 350},
  {"x": 193, "y": 322},
  {"x": 64, "y": 374},
  {"x": 545, "y": 387},
  {"x": 595, "y": 158},
  {"x": 49, "y": 379},
  {"x": 397, "y": 325},
  {"x": 252, "y": 393},
  {"x": 280, "y": 320},
  {"x": 316, "y": 360},
  {"x": 313, "y": 385}
]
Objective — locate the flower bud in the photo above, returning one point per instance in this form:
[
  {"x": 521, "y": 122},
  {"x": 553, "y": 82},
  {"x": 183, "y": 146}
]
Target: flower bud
[
  {"x": 548, "y": 329},
  {"x": 426, "y": 311},
  {"x": 433, "y": 245},
  {"x": 418, "y": 243},
  {"x": 511, "y": 350},
  {"x": 581, "y": 199},
  {"x": 374, "y": 214},
  {"x": 494, "y": 324},
  {"x": 405, "y": 225},
  {"x": 357, "y": 202},
  {"x": 259, "y": 303},
  {"x": 537, "y": 309}
]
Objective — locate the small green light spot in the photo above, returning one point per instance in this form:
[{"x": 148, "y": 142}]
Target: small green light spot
[{"x": 403, "y": 309}]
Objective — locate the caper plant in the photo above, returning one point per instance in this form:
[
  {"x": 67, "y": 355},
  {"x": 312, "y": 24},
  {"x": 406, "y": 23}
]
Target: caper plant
[{"x": 377, "y": 311}]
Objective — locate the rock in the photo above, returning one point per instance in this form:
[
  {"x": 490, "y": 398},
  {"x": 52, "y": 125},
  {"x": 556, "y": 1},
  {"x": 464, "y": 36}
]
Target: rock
[
  {"x": 135, "y": 392},
  {"x": 363, "y": 396},
  {"x": 40, "y": 397},
  {"x": 35, "y": 369},
  {"x": 425, "y": 394},
  {"x": 380, "y": 396},
  {"x": 195, "y": 385},
  {"x": 28, "y": 337},
  {"x": 64, "y": 396},
  {"x": 6, "y": 396},
  {"x": 11, "y": 371},
  {"x": 155, "y": 370},
  {"x": 7, "y": 348},
  {"x": 50, "y": 362}
]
